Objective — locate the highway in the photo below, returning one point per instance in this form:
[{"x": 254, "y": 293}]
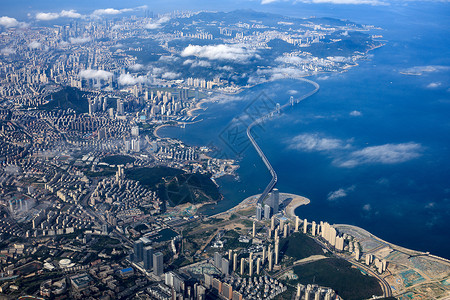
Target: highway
[{"x": 274, "y": 179}]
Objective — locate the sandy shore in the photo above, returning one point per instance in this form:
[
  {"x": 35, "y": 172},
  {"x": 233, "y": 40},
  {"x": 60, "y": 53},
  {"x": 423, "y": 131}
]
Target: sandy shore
[{"x": 295, "y": 202}]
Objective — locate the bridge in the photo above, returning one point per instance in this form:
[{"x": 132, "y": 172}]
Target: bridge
[{"x": 258, "y": 121}]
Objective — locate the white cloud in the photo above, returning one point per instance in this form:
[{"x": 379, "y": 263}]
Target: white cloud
[
  {"x": 106, "y": 11},
  {"x": 70, "y": 14},
  {"x": 46, "y": 16},
  {"x": 95, "y": 74},
  {"x": 354, "y": 2},
  {"x": 293, "y": 60},
  {"x": 384, "y": 154},
  {"x": 419, "y": 70},
  {"x": 127, "y": 79},
  {"x": 313, "y": 142},
  {"x": 355, "y": 113},
  {"x": 136, "y": 67},
  {"x": 157, "y": 24},
  {"x": 434, "y": 85},
  {"x": 369, "y": 2},
  {"x": 367, "y": 207},
  {"x": 200, "y": 63},
  {"x": 8, "y": 22},
  {"x": 220, "y": 52},
  {"x": 42, "y": 16},
  {"x": 226, "y": 68},
  {"x": 168, "y": 58},
  {"x": 269, "y": 1},
  {"x": 34, "y": 45},
  {"x": 340, "y": 193},
  {"x": 79, "y": 40},
  {"x": 114, "y": 11},
  {"x": 170, "y": 75},
  {"x": 7, "y": 51}
]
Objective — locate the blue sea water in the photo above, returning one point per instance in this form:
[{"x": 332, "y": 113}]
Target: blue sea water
[{"x": 379, "y": 140}]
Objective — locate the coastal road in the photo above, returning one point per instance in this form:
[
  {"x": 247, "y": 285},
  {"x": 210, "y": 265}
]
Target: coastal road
[{"x": 260, "y": 120}]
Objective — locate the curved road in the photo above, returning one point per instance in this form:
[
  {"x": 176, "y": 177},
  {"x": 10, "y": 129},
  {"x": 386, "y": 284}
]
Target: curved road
[{"x": 274, "y": 180}]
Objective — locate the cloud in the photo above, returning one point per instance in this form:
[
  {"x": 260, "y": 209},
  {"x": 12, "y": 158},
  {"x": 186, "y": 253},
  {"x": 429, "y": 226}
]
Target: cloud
[
  {"x": 419, "y": 70},
  {"x": 367, "y": 207},
  {"x": 70, "y": 14},
  {"x": 136, "y": 67},
  {"x": 293, "y": 60},
  {"x": 95, "y": 74},
  {"x": 127, "y": 79},
  {"x": 8, "y": 22},
  {"x": 46, "y": 16},
  {"x": 384, "y": 154},
  {"x": 170, "y": 75},
  {"x": 194, "y": 63},
  {"x": 114, "y": 11},
  {"x": 79, "y": 40},
  {"x": 106, "y": 11},
  {"x": 234, "y": 53},
  {"x": 157, "y": 24},
  {"x": 42, "y": 16},
  {"x": 434, "y": 85},
  {"x": 354, "y": 2},
  {"x": 355, "y": 113},
  {"x": 7, "y": 51},
  {"x": 269, "y": 1},
  {"x": 340, "y": 193},
  {"x": 313, "y": 142},
  {"x": 34, "y": 45},
  {"x": 168, "y": 58}
]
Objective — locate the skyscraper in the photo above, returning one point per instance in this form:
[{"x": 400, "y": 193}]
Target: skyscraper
[
  {"x": 217, "y": 260},
  {"x": 274, "y": 200},
  {"x": 138, "y": 250},
  {"x": 158, "y": 263},
  {"x": 148, "y": 258},
  {"x": 258, "y": 212},
  {"x": 267, "y": 212}
]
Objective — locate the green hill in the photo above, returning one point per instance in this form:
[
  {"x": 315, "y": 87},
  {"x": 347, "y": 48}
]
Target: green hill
[{"x": 68, "y": 97}]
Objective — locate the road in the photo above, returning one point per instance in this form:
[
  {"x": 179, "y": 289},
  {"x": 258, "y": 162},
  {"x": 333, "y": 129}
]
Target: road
[{"x": 260, "y": 120}]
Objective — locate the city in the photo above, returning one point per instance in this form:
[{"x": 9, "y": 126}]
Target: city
[{"x": 95, "y": 204}]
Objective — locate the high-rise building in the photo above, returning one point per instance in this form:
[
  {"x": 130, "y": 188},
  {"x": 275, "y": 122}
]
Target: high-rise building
[
  {"x": 277, "y": 246},
  {"x": 135, "y": 131},
  {"x": 267, "y": 214},
  {"x": 138, "y": 250},
  {"x": 217, "y": 260},
  {"x": 158, "y": 263},
  {"x": 258, "y": 212},
  {"x": 225, "y": 266},
  {"x": 274, "y": 200},
  {"x": 305, "y": 226},
  {"x": 148, "y": 258}
]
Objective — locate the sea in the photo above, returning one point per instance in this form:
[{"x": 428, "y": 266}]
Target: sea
[{"x": 371, "y": 148}]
